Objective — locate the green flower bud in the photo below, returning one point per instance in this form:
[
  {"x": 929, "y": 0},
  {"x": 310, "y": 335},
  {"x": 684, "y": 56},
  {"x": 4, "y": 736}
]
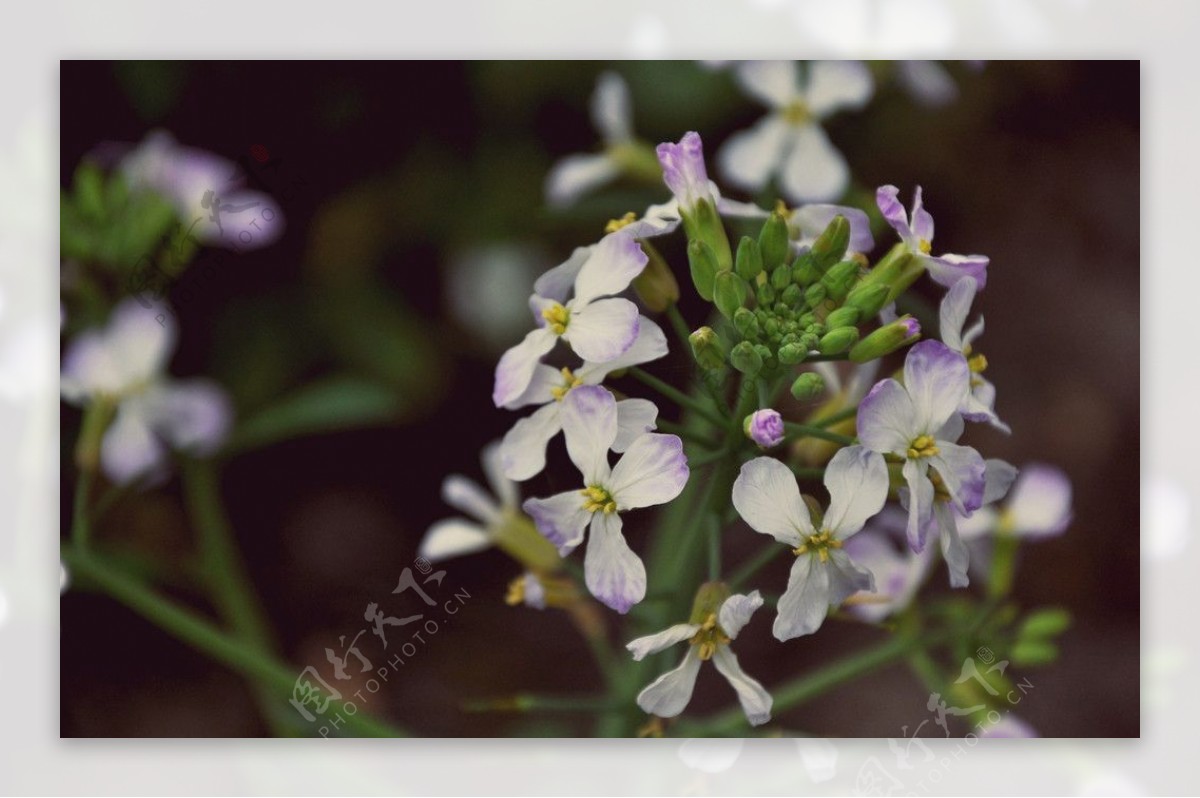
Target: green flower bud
[
  {"x": 656, "y": 285},
  {"x": 707, "y": 348},
  {"x": 792, "y": 295},
  {"x": 838, "y": 340},
  {"x": 897, "y": 270},
  {"x": 792, "y": 353},
  {"x": 768, "y": 357},
  {"x": 703, "y": 264},
  {"x": 810, "y": 341},
  {"x": 729, "y": 293},
  {"x": 830, "y": 246},
  {"x": 842, "y": 317},
  {"x": 766, "y": 295},
  {"x": 867, "y": 299},
  {"x": 781, "y": 278},
  {"x": 749, "y": 259},
  {"x": 746, "y": 359},
  {"x": 886, "y": 339},
  {"x": 746, "y": 323},
  {"x": 815, "y": 294},
  {"x": 808, "y": 386},
  {"x": 840, "y": 278},
  {"x": 773, "y": 241},
  {"x": 805, "y": 271}
]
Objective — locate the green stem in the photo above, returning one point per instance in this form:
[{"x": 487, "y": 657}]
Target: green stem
[
  {"x": 1004, "y": 560},
  {"x": 202, "y": 635},
  {"x": 821, "y": 358},
  {"x": 714, "y": 548},
  {"x": 81, "y": 531},
  {"x": 525, "y": 702},
  {"x": 841, "y": 415},
  {"x": 705, "y": 458},
  {"x": 680, "y": 325},
  {"x": 805, "y": 430},
  {"x": 677, "y": 396},
  {"x": 754, "y": 565}
]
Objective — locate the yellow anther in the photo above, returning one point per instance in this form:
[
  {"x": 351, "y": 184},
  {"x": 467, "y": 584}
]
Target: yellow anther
[
  {"x": 653, "y": 728},
  {"x": 940, "y": 493},
  {"x": 616, "y": 224},
  {"x": 821, "y": 543},
  {"x": 557, "y": 317},
  {"x": 781, "y": 208},
  {"x": 598, "y": 500},
  {"x": 978, "y": 364},
  {"x": 923, "y": 446},
  {"x": 709, "y": 637},
  {"x": 797, "y": 113},
  {"x": 516, "y": 592},
  {"x": 925, "y": 245},
  {"x": 569, "y": 381}
]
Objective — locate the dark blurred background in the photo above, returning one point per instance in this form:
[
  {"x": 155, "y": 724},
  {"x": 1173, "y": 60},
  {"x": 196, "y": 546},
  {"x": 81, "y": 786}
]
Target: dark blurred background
[{"x": 415, "y": 226}]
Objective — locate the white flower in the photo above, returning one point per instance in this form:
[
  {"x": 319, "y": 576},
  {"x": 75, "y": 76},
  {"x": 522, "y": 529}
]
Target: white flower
[
  {"x": 452, "y": 537},
  {"x": 1037, "y": 507},
  {"x": 789, "y": 141},
  {"x": 599, "y": 326},
  {"x": 652, "y": 471},
  {"x": 123, "y": 364},
  {"x": 767, "y": 497},
  {"x": 980, "y": 400},
  {"x": 523, "y": 452},
  {"x": 899, "y": 572},
  {"x": 669, "y": 694},
  {"x": 575, "y": 175}
]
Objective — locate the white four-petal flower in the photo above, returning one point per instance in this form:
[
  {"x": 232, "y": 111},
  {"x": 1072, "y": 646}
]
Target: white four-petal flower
[
  {"x": 669, "y": 694},
  {"x": 575, "y": 175},
  {"x": 767, "y": 497},
  {"x": 652, "y": 471},
  {"x": 917, "y": 234},
  {"x": 452, "y": 537}
]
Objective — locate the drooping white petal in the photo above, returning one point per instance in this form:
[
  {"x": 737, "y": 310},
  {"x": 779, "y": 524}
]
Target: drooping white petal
[
  {"x": 836, "y": 85},
  {"x": 955, "y": 552},
  {"x": 660, "y": 641},
  {"x": 635, "y": 417},
  {"x": 736, "y": 610},
  {"x": 467, "y": 496},
  {"x": 557, "y": 283},
  {"x": 920, "y": 502},
  {"x": 952, "y": 314},
  {"x": 774, "y": 83},
  {"x": 613, "y": 264},
  {"x": 652, "y": 471},
  {"x": 129, "y": 448},
  {"x": 193, "y": 415},
  {"x": 612, "y": 572},
  {"x": 650, "y": 344},
  {"x": 611, "y": 109},
  {"x": 937, "y": 378},
  {"x": 887, "y": 420},
  {"x": 754, "y": 698},
  {"x": 669, "y": 694},
  {"x": 1040, "y": 502},
  {"x": 962, "y": 471},
  {"x": 998, "y": 477},
  {"x": 523, "y": 450},
  {"x": 750, "y": 157},
  {"x": 575, "y": 175},
  {"x": 453, "y": 537},
  {"x": 502, "y": 487},
  {"x": 561, "y": 519},
  {"x": 604, "y": 329},
  {"x": 857, "y": 479},
  {"x": 540, "y": 389},
  {"x": 814, "y": 170},
  {"x": 803, "y": 606},
  {"x": 589, "y": 420},
  {"x": 846, "y": 577},
  {"x": 767, "y": 498},
  {"x": 515, "y": 369},
  {"x": 887, "y": 198}
]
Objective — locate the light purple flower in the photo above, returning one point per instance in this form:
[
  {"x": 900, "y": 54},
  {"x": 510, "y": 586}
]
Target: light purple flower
[
  {"x": 883, "y": 550},
  {"x": 919, "y": 422},
  {"x": 576, "y": 175},
  {"x": 523, "y": 452},
  {"x": 767, "y": 497},
  {"x": 669, "y": 694},
  {"x": 765, "y": 427},
  {"x": 917, "y": 233},
  {"x": 789, "y": 142},
  {"x": 599, "y": 326},
  {"x": 684, "y": 172},
  {"x": 1037, "y": 507},
  {"x": 653, "y": 470},
  {"x": 981, "y": 398},
  {"x": 124, "y": 363}
]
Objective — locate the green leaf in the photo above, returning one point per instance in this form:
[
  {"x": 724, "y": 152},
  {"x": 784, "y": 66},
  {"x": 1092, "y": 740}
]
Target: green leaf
[
  {"x": 1044, "y": 623},
  {"x": 336, "y": 403},
  {"x": 1033, "y": 652}
]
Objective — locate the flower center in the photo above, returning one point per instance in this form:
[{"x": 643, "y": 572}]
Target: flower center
[
  {"x": 977, "y": 363},
  {"x": 709, "y": 637},
  {"x": 597, "y": 499},
  {"x": 616, "y": 224},
  {"x": 922, "y": 446},
  {"x": 925, "y": 245},
  {"x": 797, "y": 113},
  {"x": 569, "y": 381},
  {"x": 821, "y": 543},
  {"x": 557, "y": 317}
]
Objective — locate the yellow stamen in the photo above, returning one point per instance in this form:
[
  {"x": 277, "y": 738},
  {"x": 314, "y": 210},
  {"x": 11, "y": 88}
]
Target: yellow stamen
[
  {"x": 797, "y": 113},
  {"x": 653, "y": 728},
  {"x": 821, "y": 542},
  {"x": 925, "y": 245},
  {"x": 516, "y": 592},
  {"x": 616, "y": 224},
  {"x": 569, "y": 381},
  {"x": 978, "y": 364},
  {"x": 598, "y": 499},
  {"x": 709, "y": 637},
  {"x": 940, "y": 493},
  {"x": 781, "y": 208},
  {"x": 923, "y": 446},
  {"x": 557, "y": 318}
]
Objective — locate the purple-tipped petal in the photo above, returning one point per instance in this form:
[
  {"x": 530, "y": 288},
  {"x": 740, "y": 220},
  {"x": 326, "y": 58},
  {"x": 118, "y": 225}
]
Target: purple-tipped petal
[
  {"x": 887, "y": 420},
  {"x": 1040, "y": 501},
  {"x": 937, "y": 378},
  {"x": 652, "y": 471},
  {"x": 922, "y": 222},
  {"x": 683, "y": 169},
  {"x": 613, "y": 264},
  {"x": 613, "y": 573},
  {"x": 949, "y": 269},
  {"x": 561, "y": 519},
  {"x": 888, "y": 200},
  {"x": 765, "y": 427},
  {"x": 515, "y": 369}
]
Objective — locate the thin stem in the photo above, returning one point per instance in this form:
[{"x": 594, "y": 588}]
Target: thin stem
[
  {"x": 830, "y": 420},
  {"x": 754, "y": 565},
  {"x": 1004, "y": 556},
  {"x": 805, "y": 430},
  {"x": 525, "y": 702},
  {"x": 677, "y": 396},
  {"x": 680, "y": 325},
  {"x": 202, "y": 635},
  {"x": 81, "y": 530},
  {"x": 714, "y": 548},
  {"x": 821, "y": 358}
]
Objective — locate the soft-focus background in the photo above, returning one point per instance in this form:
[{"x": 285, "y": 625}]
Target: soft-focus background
[{"x": 415, "y": 226}]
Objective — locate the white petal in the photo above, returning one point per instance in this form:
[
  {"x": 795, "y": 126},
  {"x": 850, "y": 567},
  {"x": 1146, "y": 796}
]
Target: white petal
[
  {"x": 857, "y": 479},
  {"x": 611, "y": 267},
  {"x": 952, "y": 314},
  {"x": 561, "y": 519},
  {"x": 650, "y": 344},
  {"x": 191, "y": 415},
  {"x": 557, "y": 283},
  {"x": 129, "y": 448},
  {"x": 928, "y": 82},
  {"x": 920, "y": 503},
  {"x": 467, "y": 496},
  {"x": 775, "y": 83},
  {"x": 635, "y": 417},
  {"x": 589, "y": 422},
  {"x": 846, "y": 577},
  {"x": 453, "y": 537},
  {"x": 887, "y": 421},
  {"x": 603, "y": 330},
  {"x": 955, "y": 552},
  {"x": 613, "y": 573},
  {"x": 539, "y": 391},
  {"x": 963, "y": 471},
  {"x": 937, "y": 379},
  {"x": 523, "y": 450},
  {"x": 750, "y": 157},
  {"x": 811, "y": 220},
  {"x": 1040, "y": 502},
  {"x": 611, "y": 108},
  {"x": 979, "y": 524},
  {"x": 814, "y": 170},
  {"x": 138, "y": 343},
  {"x": 998, "y": 477},
  {"x": 754, "y": 698},
  {"x": 767, "y": 498},
  {"x": 515, "y": 369},
  {"x": 668, "y": 695},
  {"x": 575, "y": 175},
  {"x": 493, "y": 468},
  {"x": 736, "y": 610},
  {"x": 803, "y": 606},
  {"x": 834, "y": 85},
  {"x": 652, "y": 644},
  {"x": 652, "y": 471}
]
